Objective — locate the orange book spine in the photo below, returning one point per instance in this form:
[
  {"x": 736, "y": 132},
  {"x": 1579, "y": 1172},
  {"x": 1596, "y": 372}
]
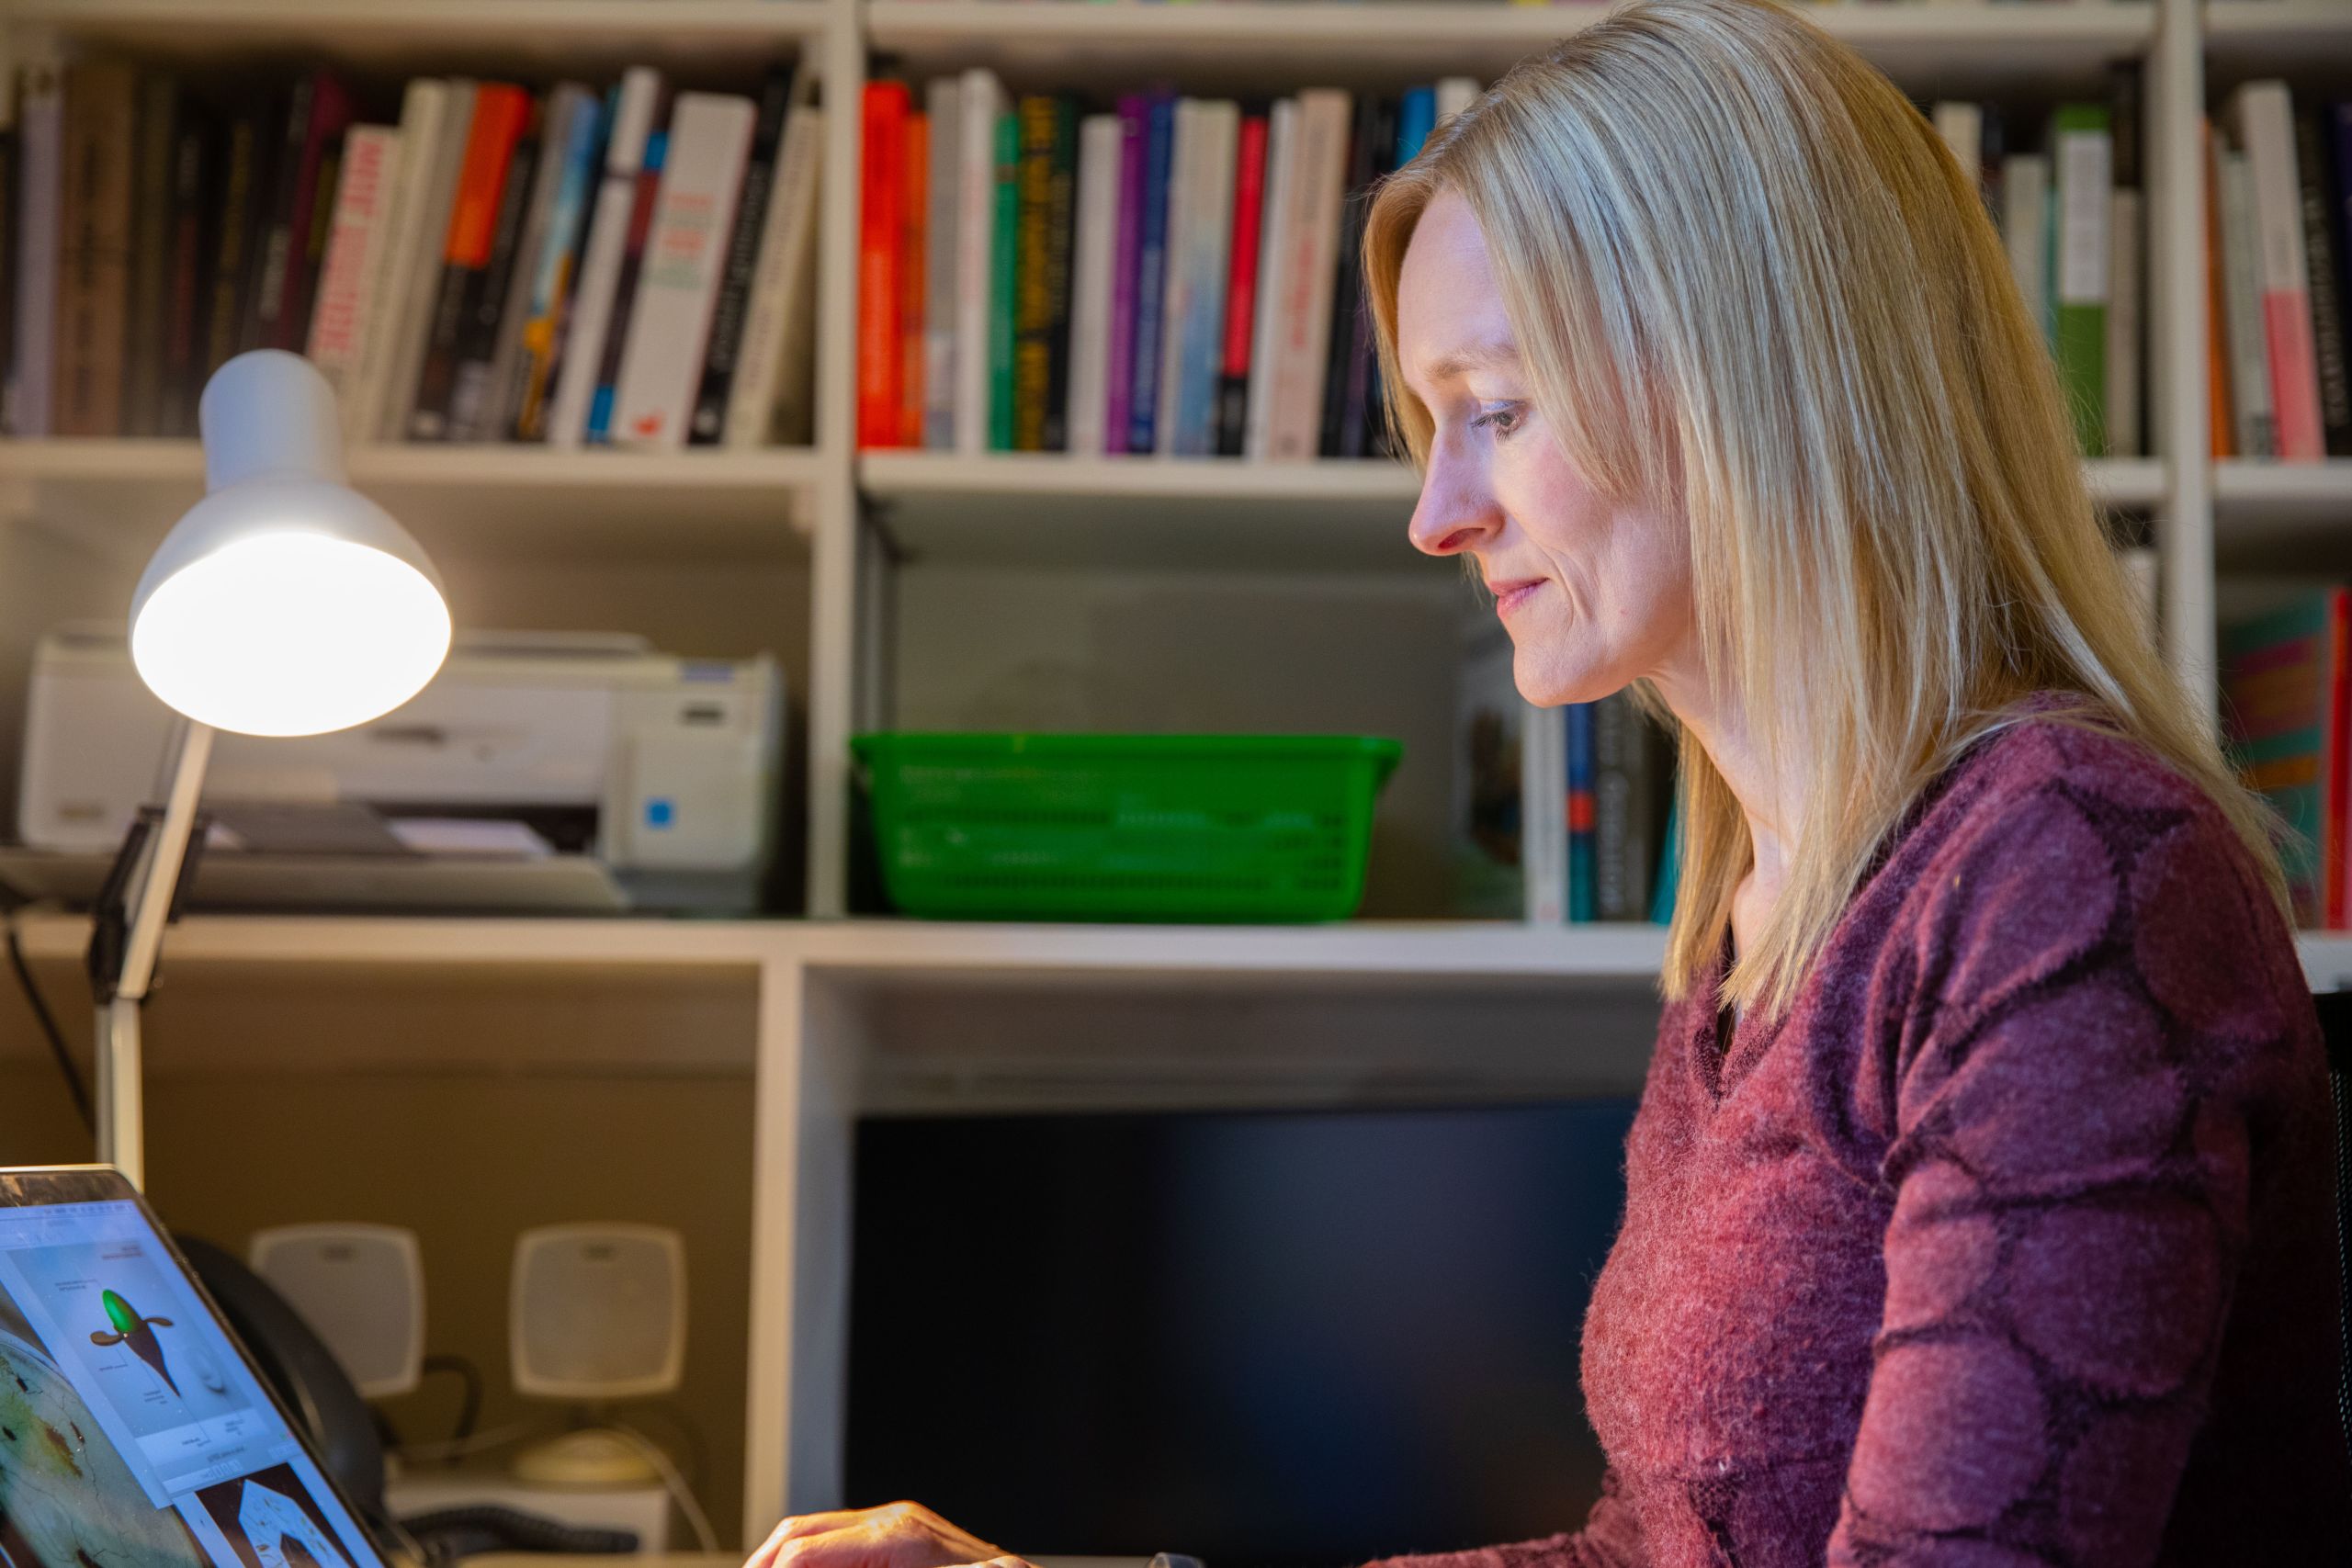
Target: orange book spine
[
  {"x": 882, "y": 189},
  {"x": 913, "y": 231},
  {"x": 501, "y": 112},
  {"x": 2217, "y": 352}
]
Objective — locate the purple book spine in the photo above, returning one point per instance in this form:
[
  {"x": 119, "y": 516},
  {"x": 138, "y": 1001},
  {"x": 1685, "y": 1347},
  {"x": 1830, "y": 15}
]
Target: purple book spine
[
  {"x": 1120, "y": 371},
  {"x": 2339, "y": 116}
]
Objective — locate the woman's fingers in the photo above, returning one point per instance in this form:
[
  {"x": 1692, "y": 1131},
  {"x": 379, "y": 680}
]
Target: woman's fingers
[{"x": 896, "y": 1535}]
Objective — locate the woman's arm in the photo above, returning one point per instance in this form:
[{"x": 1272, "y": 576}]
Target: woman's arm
[
  {"x": 2093, "y": 1041},
  {"x": 1610, "y": 1538}
]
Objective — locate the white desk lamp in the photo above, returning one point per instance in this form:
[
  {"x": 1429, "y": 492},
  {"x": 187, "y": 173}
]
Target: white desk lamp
[{"x": 285, "y": 603}]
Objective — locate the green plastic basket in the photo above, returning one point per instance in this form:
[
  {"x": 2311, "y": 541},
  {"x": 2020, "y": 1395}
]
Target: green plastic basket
[{"x": 1124, "y": 827}]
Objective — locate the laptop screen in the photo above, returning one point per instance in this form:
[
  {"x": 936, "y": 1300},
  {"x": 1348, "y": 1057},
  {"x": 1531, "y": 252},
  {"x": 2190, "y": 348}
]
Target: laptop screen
[{"x": 132, "y": 1432}]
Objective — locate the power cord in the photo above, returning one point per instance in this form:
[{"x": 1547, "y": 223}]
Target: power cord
[
  {"x": 679, "y": 1492},
  {"x": 66, "y": 1066}
]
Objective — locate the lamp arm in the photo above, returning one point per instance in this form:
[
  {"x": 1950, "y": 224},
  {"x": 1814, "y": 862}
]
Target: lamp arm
[{"x": 153, "y": 895}]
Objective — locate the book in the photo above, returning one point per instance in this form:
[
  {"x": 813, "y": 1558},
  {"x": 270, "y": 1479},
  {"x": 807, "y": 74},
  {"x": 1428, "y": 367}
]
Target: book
[
  {"x": 1100, "y": 140},
  {"x": 1118, "y": 369},
  {"x": 1175, "y": 283},
  {"x": 1369, "y": 146},
  {"x": 636, "y": 104},
  {"x": 2082, "y": 163},
  {"x": 980, "y": 103},
  {"x": 944, "y": 201},
  {"x": 2250, "y": 381},
  {"x": 1004, "y": 240},
  {"x": 2318, "y": 202},
  {"x": 193, "y": 160},
  {"x": 2262, "y": 116},
  {"x": 2283, "y": 682},
  {"x": 709, "y": 147},
  {"x": 1490, "y": 727},
  {"x": 644, "y": 198},
  {"x": 1274, "y": 245},
  {"x": 914, "y": 217},
  {"x": 2126, "y": 278},
  {"x": 1543, "y": 815},
  {"x": 9, "y": 166},
  {"x": 570, "y": 110},
  {"x": 1581, "y": 907},
  {"x": 1151, "y": 274},
  {"x": 1626, "y": 806},
  {"x": 360, "y": 240},
  {"x": 146, "y": 327},
  {"x": 554, "y": 273},
  {"x": 94, "y": 248},
  {"x": 1241, "y": 288},
  {"x": 1194, "y": 331},
  {"x": 501, "y": 115},
  {"x": 474, "y": 414},
  {"x": 739, "y": 262},
  {"x": 1669, "y": 864},
  {"x": 883, "y": 176},
  {"x": 423, "y": 232},
  {"x": 427, "y": 108},
  {"x": 2219, "y": 425},
  {"x": 1960, "y": 126},
  {"x": 770, "y": 399},
  {"x": 1304, "y": 274},
  {"x": 317, "y": 166},
  {"x": 1041, "y": 303},
  {"x": 42, "y": 140},
  {"x": 1061, "y": 202},
  {"x": 2025, "y": 229}
]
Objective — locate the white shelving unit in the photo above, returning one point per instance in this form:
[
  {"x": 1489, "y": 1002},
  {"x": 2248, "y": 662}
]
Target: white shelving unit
[{"x": 847, "y": 1012}]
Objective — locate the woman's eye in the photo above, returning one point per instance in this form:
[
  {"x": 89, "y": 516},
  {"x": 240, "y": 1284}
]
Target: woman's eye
[{"x": 1503, "y": 419}]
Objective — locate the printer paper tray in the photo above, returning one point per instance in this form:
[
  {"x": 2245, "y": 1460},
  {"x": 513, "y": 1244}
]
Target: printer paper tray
[{"x": 225, "y": 879}]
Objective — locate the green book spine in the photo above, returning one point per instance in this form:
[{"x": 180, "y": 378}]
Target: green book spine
[
  {"x": 1002, "y": 282},
  {"x": 1033, "y": 302},
  {"x": 2082, "y": 165}
]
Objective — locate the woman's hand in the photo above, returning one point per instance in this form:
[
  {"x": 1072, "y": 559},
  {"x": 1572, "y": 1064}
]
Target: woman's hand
[{"x": 898, "y": 1535}]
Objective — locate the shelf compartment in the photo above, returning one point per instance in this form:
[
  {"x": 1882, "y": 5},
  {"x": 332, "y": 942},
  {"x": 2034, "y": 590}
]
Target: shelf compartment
[
  {"x": 1947, "y": 49},
  {"x": 2282, "y": 515},
  {"x": 117, "y": 497},
  {"x": 2263, "y": 38}
]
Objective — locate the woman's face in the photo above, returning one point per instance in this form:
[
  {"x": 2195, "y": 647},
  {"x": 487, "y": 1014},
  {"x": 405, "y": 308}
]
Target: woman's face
[{"x": 1595, "y": 594}]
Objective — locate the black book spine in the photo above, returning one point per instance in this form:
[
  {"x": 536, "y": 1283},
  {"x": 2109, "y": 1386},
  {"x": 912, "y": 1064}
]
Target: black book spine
[
  {"x": 8, "y": 224},
  {"x": 237, "y": 233},
  {"x": 191, "y": 241},
  {"x": 1347, "y": 296},
  {"x": 1062, "y": 204},
  {"x": 275, "y": 254},
  {"x": 470, "y": 414},
  {"x": 2327, "y": 301},
  {"x": 151, "y": 219},
  {"x": 1363, "y": 389},
  {"x": 708, "y": 425}
]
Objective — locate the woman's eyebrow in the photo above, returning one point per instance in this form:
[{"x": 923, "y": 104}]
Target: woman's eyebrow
[{"x": 1488, "y": 354}]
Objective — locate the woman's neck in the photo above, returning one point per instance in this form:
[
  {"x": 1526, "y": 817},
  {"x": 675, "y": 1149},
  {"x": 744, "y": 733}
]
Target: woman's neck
[{"x": 1718, "y": 721}]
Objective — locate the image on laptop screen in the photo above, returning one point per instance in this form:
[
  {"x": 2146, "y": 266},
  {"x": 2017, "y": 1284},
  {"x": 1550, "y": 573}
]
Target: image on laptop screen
[{"x": 133, "y": 1434}]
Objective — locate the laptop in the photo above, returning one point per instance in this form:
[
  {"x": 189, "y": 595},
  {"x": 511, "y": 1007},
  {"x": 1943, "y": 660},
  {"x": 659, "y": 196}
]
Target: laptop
[{"x": 133, "y": 1431}]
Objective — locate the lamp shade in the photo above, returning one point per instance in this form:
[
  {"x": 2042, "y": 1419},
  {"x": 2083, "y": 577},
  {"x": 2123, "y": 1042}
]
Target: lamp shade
[{"x": 285, "y": 603}]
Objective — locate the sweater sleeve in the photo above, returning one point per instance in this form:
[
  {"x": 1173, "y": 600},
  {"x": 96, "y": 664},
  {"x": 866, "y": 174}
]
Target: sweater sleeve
[
  {"x": 1610, "y": 1538},
  {"x": 2097, "y": 987}
]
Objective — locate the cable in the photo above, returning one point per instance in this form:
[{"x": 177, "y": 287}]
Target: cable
[
  {"x": 458, "y": 1448},
  {"x": 469, "y": 1402},
  {"x": 679, "y": 1492},
  {"x": 57, "y": 1047}
]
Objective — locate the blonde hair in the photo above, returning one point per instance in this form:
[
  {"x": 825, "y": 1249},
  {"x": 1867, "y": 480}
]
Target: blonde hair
[{"x": 1745, "y": 276}]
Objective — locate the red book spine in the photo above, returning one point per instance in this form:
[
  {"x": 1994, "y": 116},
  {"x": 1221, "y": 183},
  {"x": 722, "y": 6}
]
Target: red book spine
[
  {"x": 2333, "y": 800},
  {"x": 913, "y": 231},
  {"x": 1242, "y": 279},
  {"x": 331, "y": 116},
  {"x": 500, "y": 113},
  {"x": 883, "y": 187}
]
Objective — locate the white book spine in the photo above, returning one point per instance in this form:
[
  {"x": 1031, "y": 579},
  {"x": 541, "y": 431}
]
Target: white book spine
[
  {"x": 600, "y": 264},
  {"x": 1456, "y": 93},
  {"x": 41, "y": 133},
  {"x": 943, "y": 192},
  {"x": 1543, "y": 813},
  {"x": 2084, "y": 170},
  {"x": 1307, "y": 275},
  {"x": 1099, "y": 141},
  {"x": 983, "y": 100},
  {"x": 426, "y": 235},
  {"x": 424, "y": 115},
  {"x": 2250, "y": 405},
  {"x": 1962, "y": 126},
  {"x": 1209, "y": 238},
  {"x": 2124, "y": 289},
  {"x": 1273, "y": 245},
  {"x": 2025, "y": 224},
  {"x": 356, "y": 241},
  {"x": 776, "y": 328},
  {"x": 685, "y": 250},
  {"x": 1176, "y": 292},
  {"x": 2264, "y": 117}
]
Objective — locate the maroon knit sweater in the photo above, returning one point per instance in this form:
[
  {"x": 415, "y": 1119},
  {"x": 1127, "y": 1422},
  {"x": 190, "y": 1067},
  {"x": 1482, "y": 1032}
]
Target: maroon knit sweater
[{"x": 2010, "y": 1242}]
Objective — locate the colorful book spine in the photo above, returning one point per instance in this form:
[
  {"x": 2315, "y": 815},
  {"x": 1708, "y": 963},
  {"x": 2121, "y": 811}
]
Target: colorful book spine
[
  {"x": 1176, "y": 279},
  {"x": 569, "y": 109},
  {"x": 588, "y": 324},
  {"x": 1416, "y": 117},
  {"x": 1581, "y": 905},
  {"x": 642, "y": 203},
  {"x": 2263, "y": 113},
  {"x": 1004, "y": 251},
  {"x": 317, "y": 171},
  {"x": 474, "y": 414},
  {"x": 1151, "y": 275},
  {"x": 2221, "y": 430},
  {"x": 882, "y": 188},
  {"x": 355, "y": 251},
  {"x": 1205, "y": 241},
  {"x": 2082, "y": 162},
  {"x": 1118, "y": 371},
  {"x": 1096, "y": 221},
  {"x": 501, "y": 112},
  {"x": 553, "y": 276},
  {"x": 1241, "y": 288},
  {"x": 2283, "y": 678}
]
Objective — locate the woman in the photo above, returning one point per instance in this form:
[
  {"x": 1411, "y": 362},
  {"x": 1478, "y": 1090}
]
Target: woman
[{"x": 1978, "y": 1202}]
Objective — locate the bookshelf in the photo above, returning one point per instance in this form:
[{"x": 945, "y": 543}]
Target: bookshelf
[{"x": 810, "y": 551}]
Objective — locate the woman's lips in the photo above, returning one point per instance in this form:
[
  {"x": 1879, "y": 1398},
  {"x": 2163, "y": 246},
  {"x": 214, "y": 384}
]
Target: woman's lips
[{"x": 1508, "y": 596}]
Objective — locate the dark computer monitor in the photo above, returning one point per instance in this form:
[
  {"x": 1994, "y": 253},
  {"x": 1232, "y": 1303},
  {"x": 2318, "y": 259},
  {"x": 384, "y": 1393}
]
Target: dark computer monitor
[{"x": 1261, "y": 1338}]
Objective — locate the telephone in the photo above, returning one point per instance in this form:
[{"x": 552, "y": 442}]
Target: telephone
[{"x": 342, "y": 1428}]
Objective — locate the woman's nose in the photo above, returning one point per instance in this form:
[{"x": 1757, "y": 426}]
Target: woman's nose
[{"x": 1455, "y": 511}]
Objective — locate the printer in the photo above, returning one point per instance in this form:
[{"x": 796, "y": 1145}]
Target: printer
[{"x": 537, "y": 771}]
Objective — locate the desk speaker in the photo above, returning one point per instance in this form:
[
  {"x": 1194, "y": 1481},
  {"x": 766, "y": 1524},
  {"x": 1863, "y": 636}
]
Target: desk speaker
[
  {"x": 598, "y": 1311},
  {"x": 361, "y": 1287}
]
